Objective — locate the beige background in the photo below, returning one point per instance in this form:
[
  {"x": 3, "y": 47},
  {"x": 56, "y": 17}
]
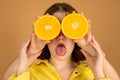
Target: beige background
[{"x": 17, "y": 16}]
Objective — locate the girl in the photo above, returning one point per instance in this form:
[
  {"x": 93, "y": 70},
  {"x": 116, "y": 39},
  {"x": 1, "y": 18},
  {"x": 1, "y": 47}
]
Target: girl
[{"x": 61, "y": 58}]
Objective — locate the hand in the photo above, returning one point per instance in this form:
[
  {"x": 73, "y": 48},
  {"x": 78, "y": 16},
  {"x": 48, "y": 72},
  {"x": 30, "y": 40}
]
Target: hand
[
  {"x": 85, "y": 40},
  {"x": 29, "y": 51},
  {"x": 95, "y": 62},
  {"x": 93, "y": 53},
  {"x": 36, "y": 45}
]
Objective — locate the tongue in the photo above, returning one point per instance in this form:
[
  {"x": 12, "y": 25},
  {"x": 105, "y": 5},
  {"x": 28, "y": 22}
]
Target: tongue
[{"x": 60, "y": 50}]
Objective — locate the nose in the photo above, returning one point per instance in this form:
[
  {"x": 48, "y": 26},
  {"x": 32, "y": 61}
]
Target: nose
[{"x": 61, "y": 36}]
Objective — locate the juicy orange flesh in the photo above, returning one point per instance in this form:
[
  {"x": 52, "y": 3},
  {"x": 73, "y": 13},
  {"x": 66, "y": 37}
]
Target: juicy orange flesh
[
  {"x": 47, "y": 27},
  {"x": 74, "y": 26}
]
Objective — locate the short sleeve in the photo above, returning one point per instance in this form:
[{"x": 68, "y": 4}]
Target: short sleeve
[
  {"x": 106, "y": 78},
  {"x": 23, "y": 76}
]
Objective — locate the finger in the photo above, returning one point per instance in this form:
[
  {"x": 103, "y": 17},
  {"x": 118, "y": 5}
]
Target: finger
[
  {"x": 33, "y": 56},
  {"x": 85, "y": 53},
  {"x": 81, "y": 42},
  {"x": 33, "y": 40},
  {"x": 89, "y": 34},
  {"x": 98, "y": 51},
  {"x": 33, "y": 28},
  {"x": 36, "y": 41},
  {"x": 34, "y": 24},
  {"x": 48, "y": 41},
  {"x": 82, "y": 13},
  {"x": 38, "y": 17},
  {"x": 89, "y": 24},
  {"x": 47, "y": 13},
  {"x": 90, "y": 50},
  {"x": 93, "y": 45},
  {"x": 73, "y": 12},
  {"x": 97, "y": 44},
  {"x": 76, "y": 40},
  {"x": 26, "y": 43},
  {"x": 24, "y": 48}
]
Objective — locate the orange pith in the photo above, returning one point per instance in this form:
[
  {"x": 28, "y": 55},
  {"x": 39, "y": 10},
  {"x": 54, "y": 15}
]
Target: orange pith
[
  {"x": 74, "y": 26},
  {"x": 47, "y": 27}
]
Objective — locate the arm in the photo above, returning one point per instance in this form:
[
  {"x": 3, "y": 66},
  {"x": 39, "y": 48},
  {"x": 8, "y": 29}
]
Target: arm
[
  {"x": 11, "y": 69},
  {"x": 29, "y": 51},
  {"x": 108, "y": 68}
]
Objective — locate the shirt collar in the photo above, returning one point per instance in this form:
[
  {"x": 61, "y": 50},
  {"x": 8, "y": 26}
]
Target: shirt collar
[{"x": 81, "y": 65}]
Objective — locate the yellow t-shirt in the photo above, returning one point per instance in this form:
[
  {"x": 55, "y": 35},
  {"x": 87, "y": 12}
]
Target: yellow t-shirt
[{"x": 43, "y": 70}]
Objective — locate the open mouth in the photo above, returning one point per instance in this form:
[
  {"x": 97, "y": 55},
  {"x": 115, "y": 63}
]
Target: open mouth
[{"x": 60, "y": 49}]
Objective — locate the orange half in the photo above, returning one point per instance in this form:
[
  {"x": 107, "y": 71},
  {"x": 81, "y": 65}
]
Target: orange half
[
  {"x": 74, "y": 26},
  {"x": 47, "y": 27}
]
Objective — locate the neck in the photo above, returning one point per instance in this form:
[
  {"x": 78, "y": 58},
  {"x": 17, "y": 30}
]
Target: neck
[{"x": 62, "y": 64}]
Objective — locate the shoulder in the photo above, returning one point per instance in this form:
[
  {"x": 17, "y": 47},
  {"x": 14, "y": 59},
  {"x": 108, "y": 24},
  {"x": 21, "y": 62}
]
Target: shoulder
[
  {"x": 84, "y": 71},
  {"x": 38, "y": 65},
  {"x": 84, "y": 68}
]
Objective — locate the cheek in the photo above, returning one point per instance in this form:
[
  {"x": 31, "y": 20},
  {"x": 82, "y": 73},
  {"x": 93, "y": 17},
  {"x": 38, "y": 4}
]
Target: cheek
[
  {"x": 70, "y": 46},
  {"x": 71, "y": 42}
]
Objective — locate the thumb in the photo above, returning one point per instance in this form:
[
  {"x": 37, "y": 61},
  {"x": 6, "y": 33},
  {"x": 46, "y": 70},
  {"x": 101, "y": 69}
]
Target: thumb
[
  {"x": 33, "y": 57},
  {"x": 85, "y": 53}
]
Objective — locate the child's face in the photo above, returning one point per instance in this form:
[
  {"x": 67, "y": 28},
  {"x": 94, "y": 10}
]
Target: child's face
[{"x": 61, "y": 47}]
